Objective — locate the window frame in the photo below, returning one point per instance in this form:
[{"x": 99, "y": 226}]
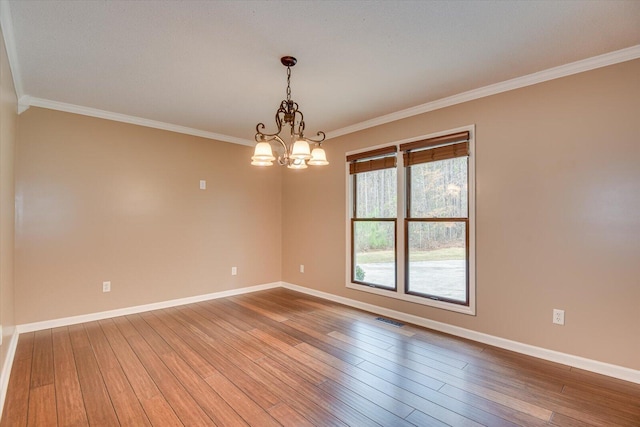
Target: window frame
[
  {"x": 377, "y": 154},
  {"x": 401, "y": 291}
]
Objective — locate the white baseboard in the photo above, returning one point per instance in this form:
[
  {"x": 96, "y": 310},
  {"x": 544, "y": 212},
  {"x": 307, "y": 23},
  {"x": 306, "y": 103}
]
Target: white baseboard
[
  {"x": 6, "y": 368},
  {"x": 73, "y": 320},
  {"x": 598, "y": 367}
]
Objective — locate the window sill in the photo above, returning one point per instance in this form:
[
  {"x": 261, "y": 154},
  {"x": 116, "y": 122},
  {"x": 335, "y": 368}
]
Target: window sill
[{"x": 468, "y": 310}]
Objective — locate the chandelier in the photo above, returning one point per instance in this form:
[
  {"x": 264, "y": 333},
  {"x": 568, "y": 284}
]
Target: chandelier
[{"x": 297, "y": 154}]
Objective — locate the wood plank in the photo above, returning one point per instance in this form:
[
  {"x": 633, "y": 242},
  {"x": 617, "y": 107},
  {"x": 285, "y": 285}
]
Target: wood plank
[
  {"x": 230, "y": 360},
  {"x": 208, "y": 399},
  {"x": 277, "y": 351},
  {"x": 564, "y": 421},
  {"x": 42, "y": 406},
  {"x": 492, "y": 407},
  {"x": 248, "y": 409},
  {"x": 160, "y": 412},
  {"x": 128, "y": 408},
  {"x": 199, "y": 364},
  {"x": 286, "y": 416},
  {"x": 218, "y": 307},
  {"x": 78, "y": 336},
  {"x": 142, "y": 384},
  {"x": 261, "y": 322},
  {"x": 305, "y": 398},
  {"x": 24, "y": 349},
  {"x": 42, "y": 369},
  {"x": 16, "y": 404},
  {"x": 618, "y": 402},
  {"x": 96, "y": 398},
  {"x": 421, "y": 419},
  {"x": 416, "y": 396},
  {"x": 445, "y": 374},
  {"x": 254, "y": 389},
  {"x": 328, "y": 344},
  {"x": 69, "y": 400},
  {"x": 216, "y": 331},
  {"x": 357, "y": 386},
  {"x": 142, "y": 328},
  {"x": 322, "y": 407},
  {"x": 185, "y": 407},
  {"x": 375, "y": 412},
  {"x": 391, "y": 355},
  {"x": 260, "y": 310}
]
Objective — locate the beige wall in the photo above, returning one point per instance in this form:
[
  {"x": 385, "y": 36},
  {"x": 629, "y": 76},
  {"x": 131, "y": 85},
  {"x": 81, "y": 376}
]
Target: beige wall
[
  {"x": 558, "y": 223},
  {"x": 8, "y": 118},
  {"x": 99, "y": 200},
  {"x": 558, "y": 191}
]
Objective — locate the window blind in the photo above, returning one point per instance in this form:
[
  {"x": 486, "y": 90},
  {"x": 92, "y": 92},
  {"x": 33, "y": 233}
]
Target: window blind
[
  {"x": 381, "y": 158},
  {"x": 434, "y": 149}
]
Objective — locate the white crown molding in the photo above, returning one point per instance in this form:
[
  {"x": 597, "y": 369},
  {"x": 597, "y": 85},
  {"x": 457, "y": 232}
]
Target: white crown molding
[
  {"x": 24, "y": 102},
  {"x": 6, "y": 367},
  {"x": 108, "y": 115},
  {"x": 74, "y": 320},
  {"x": 600, "y": 61},
  {"x": 6, "y": 23},
  {"x": 603, "y": 368}
]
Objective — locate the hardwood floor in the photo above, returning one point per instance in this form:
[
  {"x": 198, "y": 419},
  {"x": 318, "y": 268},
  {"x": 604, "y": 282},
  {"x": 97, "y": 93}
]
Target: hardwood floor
[{"x": 283, "y": 358}]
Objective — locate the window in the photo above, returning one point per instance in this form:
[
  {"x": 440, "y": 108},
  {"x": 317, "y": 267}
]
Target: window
[
  {"x": 431, "y": 189},
  {"x": 373, "y": 220},
  {"x": 436, "y": 224}
]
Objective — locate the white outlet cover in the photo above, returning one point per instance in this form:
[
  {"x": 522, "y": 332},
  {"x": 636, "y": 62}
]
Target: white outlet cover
[
  {"x": 106, "y": 286},
  {"x": 203, "y": 184},
  {"x": 558, "y": 317},
  {"x": 234, "y": 271},
  {"x": 301, "y": 268}
]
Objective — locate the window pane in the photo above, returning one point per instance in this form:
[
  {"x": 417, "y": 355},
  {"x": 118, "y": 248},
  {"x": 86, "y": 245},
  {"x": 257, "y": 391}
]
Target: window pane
[
  {"x": 374, "y": 253},
  {"x": 376, "y": 194},
  {"x": 437, "y": 259},
  {"x": 439, "y": 189}
]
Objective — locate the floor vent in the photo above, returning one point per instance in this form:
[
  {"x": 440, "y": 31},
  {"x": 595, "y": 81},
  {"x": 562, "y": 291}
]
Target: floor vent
[{"x": 390, "y": 322}]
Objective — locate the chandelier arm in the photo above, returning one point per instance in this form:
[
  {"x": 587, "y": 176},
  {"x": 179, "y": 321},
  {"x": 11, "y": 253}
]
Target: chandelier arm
[
  {"x": 284, "y": 145},
  {"x": 321, "y": 138},
  {"x": 260, "y": 127},
  {"x": 263, "y": 137}
]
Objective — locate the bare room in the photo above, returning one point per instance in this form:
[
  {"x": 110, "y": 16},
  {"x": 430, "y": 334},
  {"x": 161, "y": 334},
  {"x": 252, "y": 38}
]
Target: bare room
[{"x": 448, "y": 236}]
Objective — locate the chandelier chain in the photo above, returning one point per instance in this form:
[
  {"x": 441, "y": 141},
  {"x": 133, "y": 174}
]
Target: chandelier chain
[{"x": 288, "y": 83}]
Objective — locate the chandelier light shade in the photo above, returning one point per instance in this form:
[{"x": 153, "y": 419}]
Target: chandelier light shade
[
  {"x": 318, "y": 157},
  {"x": 297, "y": 152},
  {"x": 262, "y": 156}
]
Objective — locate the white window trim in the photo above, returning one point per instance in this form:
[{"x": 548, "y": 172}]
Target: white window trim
[{"x": 399, "y": 292}]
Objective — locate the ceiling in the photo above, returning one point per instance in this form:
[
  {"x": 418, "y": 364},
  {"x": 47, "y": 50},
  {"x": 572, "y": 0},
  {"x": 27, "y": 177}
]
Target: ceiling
[{"x": 214, "y": 66}]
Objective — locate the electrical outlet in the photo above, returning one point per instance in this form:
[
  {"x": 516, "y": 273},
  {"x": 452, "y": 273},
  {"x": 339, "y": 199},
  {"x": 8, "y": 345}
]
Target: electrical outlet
[
  {"x": 234, "y": 271},
  {"x": 301, "y": 268},
  {"x": 558, "y": 316},
  {"x": 106, "y": 286},
  {"x": 203, "y": 184}
]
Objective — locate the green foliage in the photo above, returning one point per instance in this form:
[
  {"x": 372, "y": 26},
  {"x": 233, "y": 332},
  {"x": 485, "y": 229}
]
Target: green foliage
[
  {"x": 359, "y": 273},
  {"x": 374, "y": 235}
]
